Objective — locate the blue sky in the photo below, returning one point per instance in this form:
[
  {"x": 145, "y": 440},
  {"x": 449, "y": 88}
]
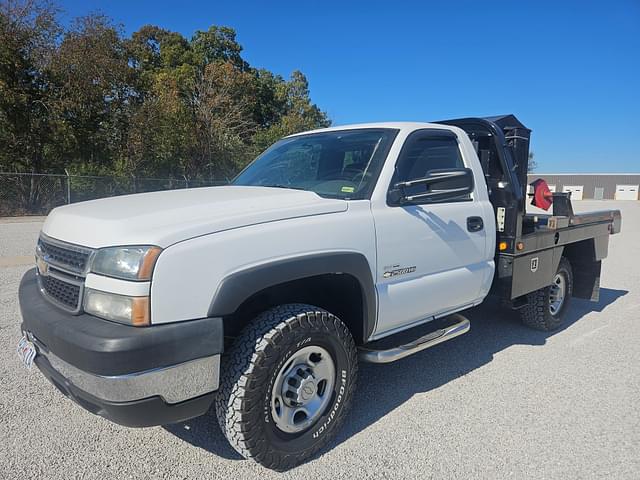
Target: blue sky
[{"x": 569, "y": 70}]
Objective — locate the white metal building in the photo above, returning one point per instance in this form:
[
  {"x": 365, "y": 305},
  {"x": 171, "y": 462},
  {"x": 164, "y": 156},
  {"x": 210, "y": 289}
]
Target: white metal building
[{"x": 597, "y": 186}]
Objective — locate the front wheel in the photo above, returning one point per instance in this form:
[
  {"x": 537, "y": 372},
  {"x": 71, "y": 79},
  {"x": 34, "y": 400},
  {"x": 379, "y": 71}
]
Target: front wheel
[
  {"x": 546, "y": 307},
  {"x": 286, "y": 385}
]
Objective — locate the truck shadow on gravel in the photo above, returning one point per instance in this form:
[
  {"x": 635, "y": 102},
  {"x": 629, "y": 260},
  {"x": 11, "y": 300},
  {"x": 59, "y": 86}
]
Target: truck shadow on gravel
[{"x": 493, "y": 329}]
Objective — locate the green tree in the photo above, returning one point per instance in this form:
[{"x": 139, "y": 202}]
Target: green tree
[
  {"x": 154, "y": 104},
  {"x": 532, "y": 165},
  {"x": 28, "y": 32},
  {"x": 298, "y": 113},
  {"x": 217, "y": 44},
  {"x": 93, "y": 92},
  {"x": 222, "y": 103}
]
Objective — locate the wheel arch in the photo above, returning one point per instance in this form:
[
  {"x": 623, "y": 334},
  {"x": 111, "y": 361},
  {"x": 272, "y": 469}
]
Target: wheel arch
[
  {"x": 340, "y": 282},
  {"x": 585, "y": 258}
]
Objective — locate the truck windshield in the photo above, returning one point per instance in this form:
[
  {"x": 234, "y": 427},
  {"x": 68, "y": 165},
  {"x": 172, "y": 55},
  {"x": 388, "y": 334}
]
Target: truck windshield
[{"x": 338, "y": 164}]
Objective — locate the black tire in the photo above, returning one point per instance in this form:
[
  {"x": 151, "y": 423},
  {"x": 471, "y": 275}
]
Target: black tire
[
  {"x": 537, "y": 313},
  {"x": 250, "y": 367}
]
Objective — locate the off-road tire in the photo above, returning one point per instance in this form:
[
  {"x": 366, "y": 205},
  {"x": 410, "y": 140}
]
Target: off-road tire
[
  {"x": 536, "y": 313},
  {"x": 243, "y": 403}
]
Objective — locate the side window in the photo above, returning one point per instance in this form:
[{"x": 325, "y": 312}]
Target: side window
[{"x": 424, "y": 152}]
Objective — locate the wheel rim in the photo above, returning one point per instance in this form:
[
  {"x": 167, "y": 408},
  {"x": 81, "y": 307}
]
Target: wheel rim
[
  {"x": 557, "y": 294},
  {"x": 302, "y": 389}
]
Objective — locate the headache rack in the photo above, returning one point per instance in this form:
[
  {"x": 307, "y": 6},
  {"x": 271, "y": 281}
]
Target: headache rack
[{"x": 529, "y": 246}]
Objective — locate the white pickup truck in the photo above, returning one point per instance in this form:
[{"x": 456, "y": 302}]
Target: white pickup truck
[{"x": 260, "y": 298}]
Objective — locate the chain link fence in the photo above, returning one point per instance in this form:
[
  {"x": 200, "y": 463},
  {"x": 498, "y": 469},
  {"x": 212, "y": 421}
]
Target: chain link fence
[{"x": 37, "y": 193}]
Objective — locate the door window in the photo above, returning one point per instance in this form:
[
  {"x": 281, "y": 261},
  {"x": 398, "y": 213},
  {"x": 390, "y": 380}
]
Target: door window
[{"x": 425, "y": 151}]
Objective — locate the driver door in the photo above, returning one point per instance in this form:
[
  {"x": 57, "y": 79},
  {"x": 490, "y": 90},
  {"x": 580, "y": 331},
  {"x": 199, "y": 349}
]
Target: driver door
[{"x": 431, "y": 257}]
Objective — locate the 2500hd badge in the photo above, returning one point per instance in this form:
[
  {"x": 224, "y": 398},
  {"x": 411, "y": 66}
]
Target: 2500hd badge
[{"x": 398, "y": 271}]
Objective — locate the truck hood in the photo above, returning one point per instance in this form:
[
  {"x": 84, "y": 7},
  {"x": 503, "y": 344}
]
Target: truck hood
[{"x": 164, "y": 218}]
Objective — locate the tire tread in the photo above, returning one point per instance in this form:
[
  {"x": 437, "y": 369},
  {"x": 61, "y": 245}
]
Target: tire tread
[
  {"x": 535, "y": 314},
  {"x": 256, "y": 343}
]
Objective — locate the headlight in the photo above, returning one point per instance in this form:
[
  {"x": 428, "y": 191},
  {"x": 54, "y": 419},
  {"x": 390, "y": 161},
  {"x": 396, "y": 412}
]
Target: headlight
[
  {"x": 119, "y": 308},
  {"x": 128, "y": 263}
]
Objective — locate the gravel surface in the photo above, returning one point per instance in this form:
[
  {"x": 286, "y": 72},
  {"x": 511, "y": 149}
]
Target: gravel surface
[
  {"x": 18, "y": 238},
  {"x": 501, "y": 401}
]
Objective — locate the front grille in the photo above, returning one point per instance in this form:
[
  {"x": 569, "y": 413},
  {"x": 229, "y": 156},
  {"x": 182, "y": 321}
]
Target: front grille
[
  {"x": 61, "y": 270},
  {"x": 66, "y": 256},
  {"x": 67, "y": 294}
]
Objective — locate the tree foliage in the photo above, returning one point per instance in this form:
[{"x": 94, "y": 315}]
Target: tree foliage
[
  {"x": 92, "y": 100},
  {"x": 533, "y": 163}
]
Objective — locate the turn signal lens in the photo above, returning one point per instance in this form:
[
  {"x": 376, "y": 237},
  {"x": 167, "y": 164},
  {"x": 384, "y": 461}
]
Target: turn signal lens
[
  {"x": 140, "y": 311},
  {"x": 148, "y": 262},
  {"x": 502, "y": 246}
]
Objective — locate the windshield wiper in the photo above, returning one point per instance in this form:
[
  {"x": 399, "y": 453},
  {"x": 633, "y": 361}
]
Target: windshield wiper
[{"x": 280, "y": 185}]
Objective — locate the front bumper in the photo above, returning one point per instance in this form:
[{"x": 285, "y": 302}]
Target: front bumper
[{"x": 134, "y": 376}]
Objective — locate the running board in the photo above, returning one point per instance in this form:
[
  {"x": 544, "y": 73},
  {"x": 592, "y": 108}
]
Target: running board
[{"x": 429, "y": 340}]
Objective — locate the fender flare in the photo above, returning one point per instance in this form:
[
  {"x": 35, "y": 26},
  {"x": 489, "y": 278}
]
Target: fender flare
[{"x": 237, "y": 287}]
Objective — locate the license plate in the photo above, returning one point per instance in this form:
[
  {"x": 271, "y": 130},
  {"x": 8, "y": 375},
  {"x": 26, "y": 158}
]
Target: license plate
[{"x": 26, "y": 351}]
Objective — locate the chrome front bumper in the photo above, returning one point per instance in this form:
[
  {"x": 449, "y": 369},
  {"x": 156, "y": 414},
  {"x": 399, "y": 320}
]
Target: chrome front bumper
[
  {"x": 174, "y": 384},
  {"x": 133, "y": 376}
]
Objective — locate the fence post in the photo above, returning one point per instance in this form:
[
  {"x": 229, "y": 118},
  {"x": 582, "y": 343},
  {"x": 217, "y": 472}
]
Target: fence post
[
  {"x": 135, "y": 189},
  {"x": 68, "y": 186}
]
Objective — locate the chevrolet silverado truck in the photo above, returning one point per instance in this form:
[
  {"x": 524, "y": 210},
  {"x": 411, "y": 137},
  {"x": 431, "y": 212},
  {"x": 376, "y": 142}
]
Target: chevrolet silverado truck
[{"x": 258, "y": 299}]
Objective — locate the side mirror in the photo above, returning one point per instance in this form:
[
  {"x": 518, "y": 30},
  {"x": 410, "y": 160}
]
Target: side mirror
[{"x": 439, "y": 186}]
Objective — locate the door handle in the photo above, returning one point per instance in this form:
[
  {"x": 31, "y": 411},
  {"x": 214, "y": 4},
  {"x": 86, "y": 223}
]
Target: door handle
[{"x": 475, "y": 224}]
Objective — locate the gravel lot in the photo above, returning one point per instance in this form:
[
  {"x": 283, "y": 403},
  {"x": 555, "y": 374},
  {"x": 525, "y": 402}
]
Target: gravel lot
[{"x": 501, "y": 401}]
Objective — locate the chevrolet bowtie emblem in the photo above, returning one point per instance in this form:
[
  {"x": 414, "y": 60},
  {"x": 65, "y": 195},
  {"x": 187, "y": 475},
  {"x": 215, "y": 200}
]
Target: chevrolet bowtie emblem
[{"x": 43, "y": 267}]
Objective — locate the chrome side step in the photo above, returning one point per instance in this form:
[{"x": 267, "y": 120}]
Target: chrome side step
[{"x": 429, "y": 340}]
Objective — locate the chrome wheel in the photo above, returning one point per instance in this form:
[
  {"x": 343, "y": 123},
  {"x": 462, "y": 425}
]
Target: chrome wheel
[
  {"x": 557, "y": 293},
  {"x": 302, "y": 389}
]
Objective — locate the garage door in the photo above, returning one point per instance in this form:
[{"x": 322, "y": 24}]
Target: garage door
[
  {"x": 598, "y": 194},
  {"x": 626, "y": 192},
  {"x": 576, "y": 191}
]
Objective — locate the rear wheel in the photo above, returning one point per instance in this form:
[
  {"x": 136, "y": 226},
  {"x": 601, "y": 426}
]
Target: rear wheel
[
  {"x": 286, "y": 385},
  {"x": 546, "y": 307}
]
